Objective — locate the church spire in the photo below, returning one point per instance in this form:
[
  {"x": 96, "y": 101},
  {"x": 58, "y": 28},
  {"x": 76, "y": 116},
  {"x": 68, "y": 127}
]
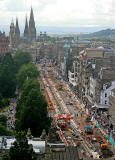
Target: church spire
[
  {"x": 31, "y": 14},
  {"x": 12, "y": 21},
  {"x": 31, "y": 21},
  {"x": 26, "y": 30},
  {"x": 12, "y": 34},
  {"x": 17, "y": 30},
  {"x": 17, "y": 33},
  {"x": 32, "y": 28}
]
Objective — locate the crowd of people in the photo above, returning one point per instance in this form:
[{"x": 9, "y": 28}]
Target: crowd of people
[{"x": 11, "y": 114}]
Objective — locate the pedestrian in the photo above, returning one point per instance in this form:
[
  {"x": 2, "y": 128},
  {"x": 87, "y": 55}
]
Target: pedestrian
[{"x": 84, "y": 154}]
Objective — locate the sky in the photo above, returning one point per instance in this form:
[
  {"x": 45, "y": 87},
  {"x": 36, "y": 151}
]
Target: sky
[{"x": 66, "y": 13}]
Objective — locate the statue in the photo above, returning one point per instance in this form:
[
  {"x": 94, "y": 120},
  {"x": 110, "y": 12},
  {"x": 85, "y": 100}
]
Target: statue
[{"x": 43, "y": 135}]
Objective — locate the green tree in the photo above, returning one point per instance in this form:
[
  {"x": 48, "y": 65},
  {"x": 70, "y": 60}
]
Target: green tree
[
  {"x": 28, "y": 85},
  {"x": 21, "y": 58},
  {"x": 32, "y": 108},
  {"x": 4, "y": 131},
  {"x": 28, "y": 71},
  {"x": 7, "y": 76},
  {"x": 5, "y": 101},
  {"x": 5, "y": 156},
  {"x": 21, "y": 150},
  {"x": 3, "y": 120},
  {"x": 1, "y": 102},
  {"x": 3, "y": 126}
]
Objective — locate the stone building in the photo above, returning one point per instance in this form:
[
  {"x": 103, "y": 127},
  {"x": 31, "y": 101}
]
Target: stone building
[
  {"x": 29, "y": 34},
  {"x": 32, "y": 29},
  {"x": 42, "y": 37},
  {"x": 17, "y": 33},
  {"x": 92, "y": 69},
  {"x": 105, "y": 83},
  {"x": 4, "y": 43},
  {"x": 26, "y": 31},
  {"x": 12, "y": 35},
  {"x": 112, "y": 108}
]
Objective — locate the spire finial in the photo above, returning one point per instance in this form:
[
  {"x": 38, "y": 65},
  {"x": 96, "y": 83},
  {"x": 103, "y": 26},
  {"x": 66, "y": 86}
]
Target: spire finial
[{"x": 12, "y": 21}]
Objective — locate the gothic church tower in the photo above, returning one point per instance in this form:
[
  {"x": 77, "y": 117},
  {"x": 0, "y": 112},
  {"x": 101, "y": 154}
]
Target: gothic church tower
[
  {"x": 17, "y": 32},
  {"x": 32, "y": 28},
  {"x": 12, "y": 34},
  {"x": 26, "y": 31}
]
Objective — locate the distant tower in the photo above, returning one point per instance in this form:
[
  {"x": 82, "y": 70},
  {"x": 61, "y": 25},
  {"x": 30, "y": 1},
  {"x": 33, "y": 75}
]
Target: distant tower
[
  {"x": 26, "y": 30},
  {"x": 12, "y": 34},
  {"x": 32, "y": 28},
  {"x": 17, "y": 32}
]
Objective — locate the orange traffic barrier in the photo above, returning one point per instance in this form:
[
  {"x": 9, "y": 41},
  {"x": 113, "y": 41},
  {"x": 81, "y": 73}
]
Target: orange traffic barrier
[
  {"x": 103, "y": 145},
  {"x": 51, "y": 107},
  {"x": 49, "y": 103},
  {"x": 50, "y": 110},
  {"x": 56, "y": 85}
]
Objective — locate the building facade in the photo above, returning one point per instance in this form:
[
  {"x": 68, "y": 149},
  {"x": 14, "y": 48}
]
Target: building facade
[
  {"x": 29, "y": 34},
  {"x": 112, "y": 108},
  {"x": 4, "y": 44}
]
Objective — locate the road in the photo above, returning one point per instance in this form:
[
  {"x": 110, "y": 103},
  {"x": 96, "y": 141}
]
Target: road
[{"x": 59, "y": 99}]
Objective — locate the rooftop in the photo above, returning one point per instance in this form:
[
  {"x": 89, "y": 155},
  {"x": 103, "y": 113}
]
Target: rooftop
[
  {"x": 108, "y": 74},
  {"x": 37, "y": 143},
  {"x": 113, "y": 90}
]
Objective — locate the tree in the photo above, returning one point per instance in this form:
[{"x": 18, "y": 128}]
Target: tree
[
  {"x": 5, "y": 156},
  {"x": 7, "y": 76},
  {"x": 32, "y": 108},
  {"x": 21, "y": 58},
  {"x": 28, "y": 85},
  {"x": 3, "y": 120},
  {"x": 28, "y": 71},
  {"x": 21, "y": 150},
  {"x": 3, "y": 126}
]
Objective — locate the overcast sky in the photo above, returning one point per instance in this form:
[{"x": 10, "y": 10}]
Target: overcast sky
[{"x": 67, "y": 13}]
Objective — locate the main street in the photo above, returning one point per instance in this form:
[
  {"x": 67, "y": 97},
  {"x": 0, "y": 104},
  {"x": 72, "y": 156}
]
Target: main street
[{"x": 59, "y": 99}]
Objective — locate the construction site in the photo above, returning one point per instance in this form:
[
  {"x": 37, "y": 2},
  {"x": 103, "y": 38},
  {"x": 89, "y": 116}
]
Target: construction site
[{"x": 72, "y": 123}]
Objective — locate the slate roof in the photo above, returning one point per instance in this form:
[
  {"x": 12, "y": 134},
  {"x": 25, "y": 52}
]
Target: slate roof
[
  {"x": 109, "y": 74},
  {"x": 71, "y": 153}
]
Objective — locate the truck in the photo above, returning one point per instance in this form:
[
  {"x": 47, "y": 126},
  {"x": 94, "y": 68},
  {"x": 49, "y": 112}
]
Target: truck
[{"x": 88, "y": 130}]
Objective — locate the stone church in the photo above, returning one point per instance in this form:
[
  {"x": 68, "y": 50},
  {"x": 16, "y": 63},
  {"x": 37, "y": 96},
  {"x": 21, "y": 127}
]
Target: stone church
[{"x": 29, "y": 34}]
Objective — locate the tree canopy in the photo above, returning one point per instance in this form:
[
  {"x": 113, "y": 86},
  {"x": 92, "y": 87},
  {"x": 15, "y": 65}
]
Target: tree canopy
[
  {"x": 7, "y": 76},
  {"x": 3, "y": 126},
  {"x": 21, "y": 150},
  {"x": 28, "y": 71},
  {"x": 21, "y": 58},
  {"x": 3, "y": 120},
  {"x": 32, "y": 110}
]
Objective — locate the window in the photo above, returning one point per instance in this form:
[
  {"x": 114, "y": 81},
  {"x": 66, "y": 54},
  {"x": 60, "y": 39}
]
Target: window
[
  {"x": 105, "y": 94},
  {"x": 105, "y": 102}
]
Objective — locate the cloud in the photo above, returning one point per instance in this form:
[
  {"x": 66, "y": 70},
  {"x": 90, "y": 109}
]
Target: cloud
[{"x": 61, "y": 12}]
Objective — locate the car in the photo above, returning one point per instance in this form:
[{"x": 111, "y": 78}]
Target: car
[
  {"x": 78, "y": 138},
  {"x": 69, "y": 103}
]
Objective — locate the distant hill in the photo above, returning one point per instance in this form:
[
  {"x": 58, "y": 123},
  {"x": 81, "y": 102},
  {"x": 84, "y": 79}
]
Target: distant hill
[
  {"x": 82, "y": 32},
  {"x": 58, "y": 30},
  {"x": 107, "y": 33}
]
